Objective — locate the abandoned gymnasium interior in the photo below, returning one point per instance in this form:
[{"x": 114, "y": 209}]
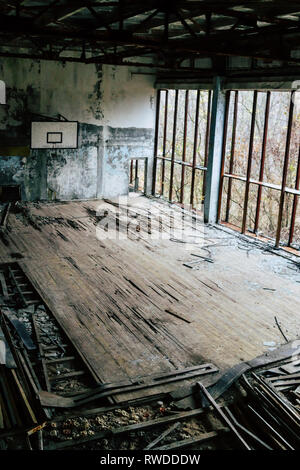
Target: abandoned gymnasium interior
[{"x": 149, "y": 225}]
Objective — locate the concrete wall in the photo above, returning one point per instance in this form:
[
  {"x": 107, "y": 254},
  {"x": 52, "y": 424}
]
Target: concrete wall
[{"x": 115, "y": 109}]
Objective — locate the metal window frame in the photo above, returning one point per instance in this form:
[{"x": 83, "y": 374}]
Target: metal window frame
[
  {"x": 260, "y": 183},
  {"x": 184, "y": 164}
]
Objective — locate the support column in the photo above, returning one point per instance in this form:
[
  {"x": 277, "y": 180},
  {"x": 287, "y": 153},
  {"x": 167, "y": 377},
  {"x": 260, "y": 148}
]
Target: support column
[{"x": 213, "y": 174}]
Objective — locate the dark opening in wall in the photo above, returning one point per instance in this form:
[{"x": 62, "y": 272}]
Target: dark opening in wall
[{"x": 10, "y": 193}]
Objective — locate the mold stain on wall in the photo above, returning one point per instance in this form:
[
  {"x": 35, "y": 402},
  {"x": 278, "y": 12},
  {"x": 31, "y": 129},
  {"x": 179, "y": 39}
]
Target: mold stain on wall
[{"x": 105, "y": 102}]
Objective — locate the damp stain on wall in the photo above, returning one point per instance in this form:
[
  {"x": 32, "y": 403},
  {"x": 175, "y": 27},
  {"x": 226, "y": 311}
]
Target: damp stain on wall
[{"x": 100, "y": 164}]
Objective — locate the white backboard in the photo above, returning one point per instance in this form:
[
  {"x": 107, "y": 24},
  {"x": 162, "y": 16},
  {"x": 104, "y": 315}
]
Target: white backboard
[{"x": 58, "y": 134}]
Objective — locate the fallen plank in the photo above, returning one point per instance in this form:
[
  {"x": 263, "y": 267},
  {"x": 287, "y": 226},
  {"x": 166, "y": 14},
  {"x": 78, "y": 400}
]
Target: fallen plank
[
  {"x": 162, "y": 436},
  {"x": 20, "y": 329},
  {"x": 111, "y": 389},
  {"x": 226, "y": 379},
  {"x": 60, "y": 359},
  {"x": 291, "y": 367},
  {"x": 284, "y": 377},
  {"x": 223, "y": 417},
  {"x": 49, "y": 399},
  {"x": 76, "y": 373},
  {"x": 194, "y": 440},
  {"x": 251, "y": 434},
  {"x": 24, "y": 397}
]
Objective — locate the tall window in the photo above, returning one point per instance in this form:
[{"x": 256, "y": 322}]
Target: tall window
[
  {"x": 261, "y": 166},
  {"x": 181, "y": 145}
]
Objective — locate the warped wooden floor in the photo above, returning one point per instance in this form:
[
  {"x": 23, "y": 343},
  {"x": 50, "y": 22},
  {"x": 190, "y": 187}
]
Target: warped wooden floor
[{"x": 131, "y": 308}]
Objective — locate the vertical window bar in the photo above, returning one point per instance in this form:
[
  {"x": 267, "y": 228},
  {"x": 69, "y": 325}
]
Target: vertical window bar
[
  {"x": 184, "y": 144},
  {"x": 155, "y": 142},
  {"x": 249, "y": 166},
  {"x": 232, "y": 153},
  {"x": 173, "y": 146},
  {"x": 131, "y": 171},
  {"x": 295, "y": 203},
  {"x": 207, "y": 132},
  {"x": 195, "y": 148},
  {"x": 262, "y": 161},
  {"x": 285, "y": 169},
  {"x": 223, "y": 153},
  {"x": 164, "y": 143}
]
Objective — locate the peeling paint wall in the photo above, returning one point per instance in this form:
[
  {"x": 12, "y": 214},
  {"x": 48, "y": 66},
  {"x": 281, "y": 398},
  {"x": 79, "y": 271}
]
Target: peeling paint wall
[
  {"x": 72, "y": 174},
  {"x": 115, "y": 109},
  {"x": 122, "y": 144},
  {"x": 129, "y": 120}
]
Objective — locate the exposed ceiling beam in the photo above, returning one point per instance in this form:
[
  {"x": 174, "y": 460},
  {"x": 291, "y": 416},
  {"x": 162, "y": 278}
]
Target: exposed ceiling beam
[
  {"x": 13, "y": 25},
  {"x": 197, "y": 9},
  {"x": 196, "y": 29},
  {"x": 129, "y": 10},
  {"x": 57, "y": 11}
]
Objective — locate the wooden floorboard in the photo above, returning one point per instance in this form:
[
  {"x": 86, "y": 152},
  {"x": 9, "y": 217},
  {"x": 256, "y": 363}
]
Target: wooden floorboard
[{"x": 132, "y": 309}]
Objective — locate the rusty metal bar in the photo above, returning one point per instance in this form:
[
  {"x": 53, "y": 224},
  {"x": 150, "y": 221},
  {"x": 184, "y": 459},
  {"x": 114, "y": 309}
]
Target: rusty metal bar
[
  {"x": 232, "y": 152},
  {"x": 249, "y": 166},
  {"x": 222, "y": 416},
  {"x": 184, "y": 144},
  {"x": 295, "y": 203},
  {"x": 207, "y": 132},
  {"x": 173, "y": 146},
  {"x": 223, "y": 154},
  {"x": 262, "y": 161},
  {"x": 156, "y": 142},
  {"x": 197, "y": 167},
  {"x": 164, "y": 142},
  {"x": 271, "y": 429},
  {"x": 195, "y": 148},
  {"x": 276, "y": 187},
  {"x": 285, "y": 169}
]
